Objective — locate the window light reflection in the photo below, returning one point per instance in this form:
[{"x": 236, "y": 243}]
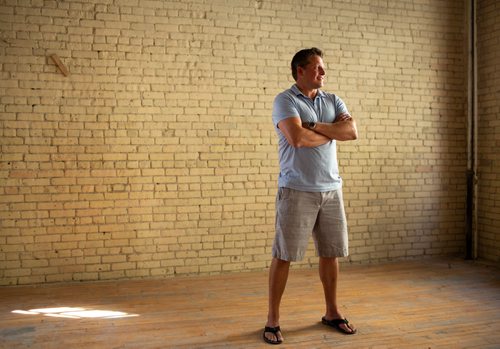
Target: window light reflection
[{"x": 76, "y": 313}]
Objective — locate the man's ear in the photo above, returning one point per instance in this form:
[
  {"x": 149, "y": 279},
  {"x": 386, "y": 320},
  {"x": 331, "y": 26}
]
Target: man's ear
[{"x": 300, "y": 71}]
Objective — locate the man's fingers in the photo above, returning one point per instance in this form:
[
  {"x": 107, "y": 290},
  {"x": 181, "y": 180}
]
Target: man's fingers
[{"x": 343, "y": 117}]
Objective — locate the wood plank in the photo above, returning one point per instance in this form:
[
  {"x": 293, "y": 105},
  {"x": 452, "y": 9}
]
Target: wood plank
[
  {"x": 429, "y": 303},
  {"x": 59, "y": 64}
]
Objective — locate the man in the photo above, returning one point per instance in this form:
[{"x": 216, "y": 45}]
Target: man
[{"x": 308, "y": 122}]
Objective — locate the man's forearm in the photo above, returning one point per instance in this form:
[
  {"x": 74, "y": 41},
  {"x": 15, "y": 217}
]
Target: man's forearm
[
  {"x": 341, "y": 131},
  {"x": 310, "y": 139},
  {"x": 299, "y": 136}
]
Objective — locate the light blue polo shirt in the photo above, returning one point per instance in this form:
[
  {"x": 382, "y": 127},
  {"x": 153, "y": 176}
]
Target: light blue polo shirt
[{"x": 308, "y": 169}]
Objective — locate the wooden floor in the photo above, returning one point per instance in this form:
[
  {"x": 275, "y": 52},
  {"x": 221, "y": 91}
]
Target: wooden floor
[{"x": 418, "y": 304}]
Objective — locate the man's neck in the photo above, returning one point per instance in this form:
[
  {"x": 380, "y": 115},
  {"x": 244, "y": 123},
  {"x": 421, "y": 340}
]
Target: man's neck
[{"x": 311, "y": 93}]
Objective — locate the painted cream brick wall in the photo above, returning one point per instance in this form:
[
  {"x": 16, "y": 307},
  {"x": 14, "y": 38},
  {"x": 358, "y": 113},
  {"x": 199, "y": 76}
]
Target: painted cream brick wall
[
  {"x": 156, "y": 156},
  {"x": 489, "y": 129}
]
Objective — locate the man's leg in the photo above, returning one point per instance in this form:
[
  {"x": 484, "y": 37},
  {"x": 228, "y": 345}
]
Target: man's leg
[
  {"x": 278, "y": 276},
  {"x": 329, "y": 272}
]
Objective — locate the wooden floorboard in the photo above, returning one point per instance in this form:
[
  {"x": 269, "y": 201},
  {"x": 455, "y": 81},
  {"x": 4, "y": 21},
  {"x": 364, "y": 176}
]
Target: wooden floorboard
[{"x": 430, "y": 303}]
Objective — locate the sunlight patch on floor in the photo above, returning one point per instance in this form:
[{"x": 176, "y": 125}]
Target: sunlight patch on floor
[{"x": 75, "y": 313}]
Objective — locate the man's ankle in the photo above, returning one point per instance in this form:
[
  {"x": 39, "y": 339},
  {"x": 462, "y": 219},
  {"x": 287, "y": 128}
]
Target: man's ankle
[{"x": 272, "y": 322}]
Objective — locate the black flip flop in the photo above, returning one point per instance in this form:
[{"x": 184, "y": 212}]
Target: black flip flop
[
  {"x": 335, "y": 323},
  {"x": 274, "y": 331}
]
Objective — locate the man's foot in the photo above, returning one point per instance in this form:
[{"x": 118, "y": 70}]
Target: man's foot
[
  {"x": 272, "y": 335},
  {"x": 340, "y": 324}
]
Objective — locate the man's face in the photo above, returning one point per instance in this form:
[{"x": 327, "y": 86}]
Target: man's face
[{"x": 313, "y": 74}]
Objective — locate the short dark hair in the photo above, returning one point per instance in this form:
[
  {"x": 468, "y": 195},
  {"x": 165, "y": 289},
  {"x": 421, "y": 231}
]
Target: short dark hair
[{"x": 301, "y": 59}]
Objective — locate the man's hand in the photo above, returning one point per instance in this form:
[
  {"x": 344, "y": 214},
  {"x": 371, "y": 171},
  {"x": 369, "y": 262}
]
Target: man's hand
[{"x": 342, "y": 117}]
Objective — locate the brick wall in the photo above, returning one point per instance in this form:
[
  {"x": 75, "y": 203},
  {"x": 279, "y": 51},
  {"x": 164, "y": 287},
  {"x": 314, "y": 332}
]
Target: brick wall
[
  {"x": 156, "y": 156},
  {"x": 489, "y": 129}
]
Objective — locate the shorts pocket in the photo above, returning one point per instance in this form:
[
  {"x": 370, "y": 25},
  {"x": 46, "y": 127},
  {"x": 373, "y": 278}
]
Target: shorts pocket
[{"x": 283, "y": 193}]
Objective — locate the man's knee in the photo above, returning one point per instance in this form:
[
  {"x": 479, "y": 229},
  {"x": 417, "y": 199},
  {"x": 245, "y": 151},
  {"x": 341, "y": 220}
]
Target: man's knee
[{"x": 281, "y": 262}]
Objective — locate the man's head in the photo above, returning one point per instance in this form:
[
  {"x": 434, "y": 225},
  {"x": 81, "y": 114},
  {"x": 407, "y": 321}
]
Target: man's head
[{"x": 302, "y": 59}]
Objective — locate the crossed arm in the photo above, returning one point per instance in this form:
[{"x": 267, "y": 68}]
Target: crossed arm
[{"x": 342, "y": 129}]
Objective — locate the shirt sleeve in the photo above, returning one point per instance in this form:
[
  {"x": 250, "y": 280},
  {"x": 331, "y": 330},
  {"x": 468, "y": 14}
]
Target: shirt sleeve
[
  {"x": 283, "y": 108},
  {"x": 340, "y": 106}
]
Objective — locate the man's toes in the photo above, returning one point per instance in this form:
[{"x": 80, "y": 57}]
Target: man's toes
[{"x": 348, "y": 328}]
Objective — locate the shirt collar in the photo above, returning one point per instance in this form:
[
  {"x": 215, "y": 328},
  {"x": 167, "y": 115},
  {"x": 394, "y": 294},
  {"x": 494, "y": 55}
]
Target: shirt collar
[{"x": 297, "y": 92}]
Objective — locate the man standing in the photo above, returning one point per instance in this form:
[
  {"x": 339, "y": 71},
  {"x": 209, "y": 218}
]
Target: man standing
[{"x": 308, "y": 122}]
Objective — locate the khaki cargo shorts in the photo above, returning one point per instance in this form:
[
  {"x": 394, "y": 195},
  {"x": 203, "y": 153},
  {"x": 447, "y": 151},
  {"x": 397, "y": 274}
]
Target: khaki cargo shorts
[{"x": 300, "y": 213}]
